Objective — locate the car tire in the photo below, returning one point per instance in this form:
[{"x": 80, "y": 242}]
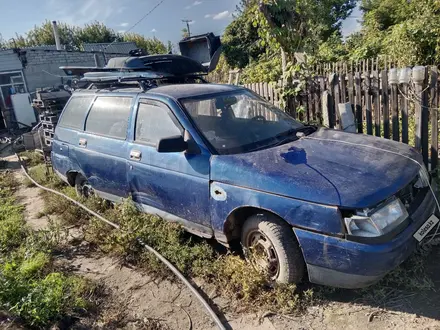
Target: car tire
[
  {"x": 275, "y": 239},
  {"x": 83, "y": 187}
]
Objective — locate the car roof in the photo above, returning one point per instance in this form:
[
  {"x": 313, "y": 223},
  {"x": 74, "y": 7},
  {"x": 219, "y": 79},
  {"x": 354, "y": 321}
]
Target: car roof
[{"x": 182, "y": 91}]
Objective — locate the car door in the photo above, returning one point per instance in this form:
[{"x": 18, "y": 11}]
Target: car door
[
  {"x": 172, "y": 185},
  {"x": 102, "y": 146}
]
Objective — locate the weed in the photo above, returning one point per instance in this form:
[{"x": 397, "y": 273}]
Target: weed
[
  {"x": 30, "y": 287},
  {"x": 39, "y": 173},
  {"x": 31, "y": 158}
]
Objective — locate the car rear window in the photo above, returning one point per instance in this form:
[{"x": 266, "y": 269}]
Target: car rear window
[
  {"x": 109, "y": 116},
  {"x": 75, "y": 112}
]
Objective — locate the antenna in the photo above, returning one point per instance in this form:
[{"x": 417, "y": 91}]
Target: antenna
[{"x": 187, "y": 21}]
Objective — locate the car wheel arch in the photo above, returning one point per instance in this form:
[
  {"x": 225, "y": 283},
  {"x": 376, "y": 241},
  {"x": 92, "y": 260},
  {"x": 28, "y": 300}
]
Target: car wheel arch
[
  {"x": 235, "y": 220},
  {"x": 71, "y": 177}
]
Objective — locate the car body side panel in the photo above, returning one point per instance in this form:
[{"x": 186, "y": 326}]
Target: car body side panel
[
  {"x": 176, "y": 183},
  {"x": 297, "y": 213},
  {"x": 62, "y": 150},
  {"x": 103, "y": 163}
]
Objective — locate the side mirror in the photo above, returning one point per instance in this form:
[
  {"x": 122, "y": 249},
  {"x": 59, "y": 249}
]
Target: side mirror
[{"x": 172, "y": 144}]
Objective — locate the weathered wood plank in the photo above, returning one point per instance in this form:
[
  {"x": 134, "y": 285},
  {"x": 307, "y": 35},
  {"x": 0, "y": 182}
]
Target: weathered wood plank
[
  {"x": 376, "y": 102},
  {"x": 434, "y": 117},
  {"x": 404, "y": 77},
  {"x": 421, "y": 134},
  {"x": 385, "y": 103},
  {"x": 394, "y": 104},
  {"x": 368, "y": 103},
  {"x": 358, "y": 102}
]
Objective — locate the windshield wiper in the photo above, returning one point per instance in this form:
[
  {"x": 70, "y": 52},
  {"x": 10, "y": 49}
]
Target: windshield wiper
[
  {"x": 287, "y": 136},
  {"x": 307, "y": 129}
]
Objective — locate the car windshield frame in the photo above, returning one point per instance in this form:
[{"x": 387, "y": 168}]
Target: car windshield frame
[{"x": 273, "y": 141}]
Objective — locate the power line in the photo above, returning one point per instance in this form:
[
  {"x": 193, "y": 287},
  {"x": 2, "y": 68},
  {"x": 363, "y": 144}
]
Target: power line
[
  {"x": 145, "y": 16},
  {"x": 135, "y": 24}
]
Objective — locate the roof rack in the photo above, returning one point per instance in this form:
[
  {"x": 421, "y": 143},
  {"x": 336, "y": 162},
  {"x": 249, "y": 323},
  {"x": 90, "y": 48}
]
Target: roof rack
[{"x": 146, "y": 79}]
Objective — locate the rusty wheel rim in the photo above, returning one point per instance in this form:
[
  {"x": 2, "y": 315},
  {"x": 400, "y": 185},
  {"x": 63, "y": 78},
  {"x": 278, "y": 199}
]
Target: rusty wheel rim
[{"x": 262, "y": 254}]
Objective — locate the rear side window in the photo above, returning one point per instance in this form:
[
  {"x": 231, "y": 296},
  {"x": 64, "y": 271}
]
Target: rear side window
[
  {"x": 154, "y": 122},
  {"x": 75, "y": 112},
  {"x": 109, "y": 116}
]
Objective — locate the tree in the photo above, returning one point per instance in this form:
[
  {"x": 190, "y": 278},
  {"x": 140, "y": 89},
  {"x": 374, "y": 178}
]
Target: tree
[
  {"x": 97, "y": 32},
  {"x": 151, "y": 45},
  {"x": 241, "y": 42},
  {"x": 407, "y": 31},
  {"x": 73, "y": 37},
  {"x": 300, "y": 25}
]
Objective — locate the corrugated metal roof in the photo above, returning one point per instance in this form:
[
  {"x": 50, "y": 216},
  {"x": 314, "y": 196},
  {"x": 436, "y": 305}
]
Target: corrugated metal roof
[
  {"x": 9, "y": 61},
  {"x": 115, "y": 48}
]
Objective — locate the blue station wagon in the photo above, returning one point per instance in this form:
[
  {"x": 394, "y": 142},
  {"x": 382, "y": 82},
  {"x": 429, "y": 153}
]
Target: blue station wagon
[{"x": 344, "y": 209}]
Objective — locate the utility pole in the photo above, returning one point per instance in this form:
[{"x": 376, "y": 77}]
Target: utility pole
[{"x": 187, "y": 21}]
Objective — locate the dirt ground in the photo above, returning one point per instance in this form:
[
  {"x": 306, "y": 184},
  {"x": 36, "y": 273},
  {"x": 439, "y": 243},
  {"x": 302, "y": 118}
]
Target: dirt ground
[{"x": 140, "y": 301}]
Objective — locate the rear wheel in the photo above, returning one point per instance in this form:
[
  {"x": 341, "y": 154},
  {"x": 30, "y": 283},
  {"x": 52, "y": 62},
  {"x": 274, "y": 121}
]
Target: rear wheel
[
  {"x": 83, "y": 187},
  {"x": 271, "y": 246}
]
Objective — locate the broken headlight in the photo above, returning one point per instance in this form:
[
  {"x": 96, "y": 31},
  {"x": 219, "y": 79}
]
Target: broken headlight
[{"x": 377, "y": 222}]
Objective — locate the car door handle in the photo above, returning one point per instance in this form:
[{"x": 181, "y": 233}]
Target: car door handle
[
  {"x": 83, "y": 142},
  {"x": 135, "y": 155}
]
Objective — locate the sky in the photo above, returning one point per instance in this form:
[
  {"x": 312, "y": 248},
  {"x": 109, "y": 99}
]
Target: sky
[{"x": 164, "y": 22}]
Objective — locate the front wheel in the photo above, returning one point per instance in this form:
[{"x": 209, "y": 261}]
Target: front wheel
[
  {"x": 271, "y": 246},
  {"x": 83, "y": 187}
]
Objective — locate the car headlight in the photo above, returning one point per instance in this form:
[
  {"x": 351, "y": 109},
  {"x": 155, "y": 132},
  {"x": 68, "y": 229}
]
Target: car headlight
[
  {"x": 377, "y": 222},
  {"x": 423, "y": 180}
]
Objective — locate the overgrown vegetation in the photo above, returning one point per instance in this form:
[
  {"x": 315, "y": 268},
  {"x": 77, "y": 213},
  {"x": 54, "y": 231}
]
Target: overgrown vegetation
[
  {"x": 229, "y": 272},
  {"x": 31, "y": 287}
]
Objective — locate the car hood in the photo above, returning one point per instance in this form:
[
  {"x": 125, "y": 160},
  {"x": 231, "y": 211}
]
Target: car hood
[{"x": 327, "y": 167}]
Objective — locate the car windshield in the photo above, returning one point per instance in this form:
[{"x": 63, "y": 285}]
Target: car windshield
[{"x": 241, "y": 122}]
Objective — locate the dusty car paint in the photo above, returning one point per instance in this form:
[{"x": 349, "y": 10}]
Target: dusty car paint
[{"x": 304, "y": 182}]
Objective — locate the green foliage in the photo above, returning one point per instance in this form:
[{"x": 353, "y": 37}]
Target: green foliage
[
  {"x": 29, "y": 288},
  {"x": 264, "y": 69},
  {"x": 300, "y": 25},
  {"x": 151, "y": 45},
  {"x": 73, "y": 37},
  {"x": 241, "y": 41},
  {"x": 407, "y": 31},
  {"x": 32, "y": 158}
]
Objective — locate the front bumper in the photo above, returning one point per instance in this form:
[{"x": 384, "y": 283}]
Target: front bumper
[{"x": 342, "y": 263}]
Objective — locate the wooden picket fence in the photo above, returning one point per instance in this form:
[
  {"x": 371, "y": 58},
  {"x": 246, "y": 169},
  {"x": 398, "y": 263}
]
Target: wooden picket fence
[{"x": 399, "y": 104}]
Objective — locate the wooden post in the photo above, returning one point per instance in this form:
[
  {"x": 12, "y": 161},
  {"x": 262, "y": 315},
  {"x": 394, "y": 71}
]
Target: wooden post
[
  {"x": 421, "y": 107},
  {"x": 237, "y": 77},
  {"x": 404, "y": 78},
  {"x": 317, "y": 110},
  {"x": 331, "y": 104},
  {"x": 385, "y": 102},
  {"x": 395, "y": 104},
  {"x": 343, "y": 84},
  {"x": 368, "y": 105},
  {"x": 358, "y": 102},
  {"x": 434, "y": 118},
  {"x": 376, "y": 102},
  {"x": 321, "y": 91}
]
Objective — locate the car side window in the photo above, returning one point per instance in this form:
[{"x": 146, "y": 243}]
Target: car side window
[
  {"x": 109, "y": 116},
  {"x": 75, "y": 112},
  {"x": 154, "y": 122}
]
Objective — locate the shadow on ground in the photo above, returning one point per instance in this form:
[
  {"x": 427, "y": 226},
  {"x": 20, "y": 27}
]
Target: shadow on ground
[{"x": 419, "y": 302}]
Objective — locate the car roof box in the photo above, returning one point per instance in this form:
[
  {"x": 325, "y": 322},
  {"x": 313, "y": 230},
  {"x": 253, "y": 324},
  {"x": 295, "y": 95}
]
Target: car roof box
[
  {"x": 204, "y": 49},
  {"x": 199, "y": 55}
]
